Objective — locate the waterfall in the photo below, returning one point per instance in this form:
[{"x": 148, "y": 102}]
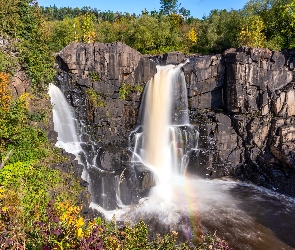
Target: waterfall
[
  {"x": 162, "y": 142},
  {"x": 165, "y": 137},
  {"x": 64, "y": 122},
  {"x": 103, "y": 185}
]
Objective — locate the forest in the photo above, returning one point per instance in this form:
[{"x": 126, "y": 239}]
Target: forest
[
  {"x": 35, "y": 211},
  {"x": 259, "y": 24}
]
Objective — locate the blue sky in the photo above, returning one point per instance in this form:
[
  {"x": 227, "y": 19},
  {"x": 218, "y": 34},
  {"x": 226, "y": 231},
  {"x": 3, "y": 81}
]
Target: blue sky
[{"x": 197, "y": 7}]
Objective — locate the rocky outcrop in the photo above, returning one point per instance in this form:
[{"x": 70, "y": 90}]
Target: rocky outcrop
[
  {"x": 19, "y": 83},
  {"x": 242, "y": 103},
  {"x": 117, "y": 74},
  {"x": 104, "y": 83}
]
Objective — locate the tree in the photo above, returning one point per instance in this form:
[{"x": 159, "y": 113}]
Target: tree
[
  {"x": 219, "y": 31},
  {"x": 252, "y": 32},
  {"x": 169, "y": 6},
  {"x": 184, "y": 12},
  {"x": 278, "y": 17}
]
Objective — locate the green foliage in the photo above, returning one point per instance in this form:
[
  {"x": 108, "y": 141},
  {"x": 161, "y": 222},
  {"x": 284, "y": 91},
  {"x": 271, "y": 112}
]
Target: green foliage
[
  {"x": 219, "y": 31},
  {"x": 62, "y": 227},
  {"x": 38, "y": 64},
  {"x": 149, "y": 34},
  {"x": 28, "y": 187},
  {"x": 62, "y": 33},
  {"x": 126, "y": 89},
  {"x": 18, "y": 134},
  {"x": 278, "y": 17},
  {"x": 8, "y": 63},
  {"x": 53, "y": 13},
  {"x": 166, "y": 30},
  {"x": 96, "y": 99},
  {"x": 22, "y": 20},
  {"x": 94, "y": 76}
]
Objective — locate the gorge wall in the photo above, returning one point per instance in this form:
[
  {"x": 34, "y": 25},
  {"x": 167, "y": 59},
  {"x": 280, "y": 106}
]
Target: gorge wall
[{"x": 242, "y": 103}]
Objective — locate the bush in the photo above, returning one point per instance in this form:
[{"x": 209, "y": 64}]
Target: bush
[
  {"x": 62, "y": 227},
  {"x": 17, "y": 134}
]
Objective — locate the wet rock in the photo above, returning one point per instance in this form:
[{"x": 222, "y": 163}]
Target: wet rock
[{"x": 169, "y": 58}]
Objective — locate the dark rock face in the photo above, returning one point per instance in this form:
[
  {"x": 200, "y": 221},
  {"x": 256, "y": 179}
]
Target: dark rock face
[
  {"x": 104, "y": 68},
  {"x": 103, "y": 83},
  {"x": 242, "y": 103}
]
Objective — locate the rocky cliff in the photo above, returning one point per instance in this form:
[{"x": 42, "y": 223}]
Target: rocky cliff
[
  {"x": 243, "y": 104},
  {"x": 241, "y": 101}
]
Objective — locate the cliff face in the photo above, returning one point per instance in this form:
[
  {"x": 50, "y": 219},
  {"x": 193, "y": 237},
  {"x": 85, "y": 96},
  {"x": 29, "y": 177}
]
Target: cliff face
[
  {"x": 104, "y": 68},
  {"x": 242, "y": 103},
  {"x": 104, "y": 83}
]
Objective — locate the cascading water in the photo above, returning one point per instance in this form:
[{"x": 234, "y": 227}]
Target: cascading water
[
  {"x": 64, "y": 122},
  {"x": 166, "y": 137},
  {"x": 162, "y": 142},
  {"x": 65, "y": 125}
]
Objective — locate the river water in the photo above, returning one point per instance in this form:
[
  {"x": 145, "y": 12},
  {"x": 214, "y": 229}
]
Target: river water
[{"x": 246, "y": 216}]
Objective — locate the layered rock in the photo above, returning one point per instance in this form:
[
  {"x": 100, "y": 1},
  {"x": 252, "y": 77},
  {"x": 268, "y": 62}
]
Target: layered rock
[
  {"x": 242, "y": 103},
  {"x": 110, "y": 70}
]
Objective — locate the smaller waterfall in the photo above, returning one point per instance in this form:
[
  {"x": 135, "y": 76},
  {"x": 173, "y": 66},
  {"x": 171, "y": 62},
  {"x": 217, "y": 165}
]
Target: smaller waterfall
[
  {"x": 64, "y": 122},
  {"x": 104, "y": 185}
]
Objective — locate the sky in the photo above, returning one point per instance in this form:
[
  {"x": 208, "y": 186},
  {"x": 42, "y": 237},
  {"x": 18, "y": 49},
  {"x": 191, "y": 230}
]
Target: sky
[{"x": 198, "y": 8}]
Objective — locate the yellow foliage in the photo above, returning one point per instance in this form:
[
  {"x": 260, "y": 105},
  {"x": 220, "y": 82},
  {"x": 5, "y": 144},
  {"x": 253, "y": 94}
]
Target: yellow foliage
[
  {"x": 252, "y": 34},
  {"x": 80, "y": 232},
  {"x": 1, "y": 192},
  {"x": 70, "y": 216},
  {"x": 87, "y": 27},
  {"x": 25, "y": 98},
  {"x": 5, "y": 95},
  {"x": 192, "y": 35}
]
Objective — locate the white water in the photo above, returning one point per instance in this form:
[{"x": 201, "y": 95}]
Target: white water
[
  {"x": 163, "y": 146},
  {"x": 64, "y": 122}
]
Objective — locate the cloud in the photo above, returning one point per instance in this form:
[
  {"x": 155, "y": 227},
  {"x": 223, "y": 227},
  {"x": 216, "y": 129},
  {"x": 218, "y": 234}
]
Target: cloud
[{"x": 200, "y": 1}]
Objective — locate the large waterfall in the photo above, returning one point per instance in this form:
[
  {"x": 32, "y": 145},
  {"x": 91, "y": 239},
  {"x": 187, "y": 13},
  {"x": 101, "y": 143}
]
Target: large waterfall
[{"x": 165, "y": 137}]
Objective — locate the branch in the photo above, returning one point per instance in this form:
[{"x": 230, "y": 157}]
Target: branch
[{"x": 6, "y": 159}]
